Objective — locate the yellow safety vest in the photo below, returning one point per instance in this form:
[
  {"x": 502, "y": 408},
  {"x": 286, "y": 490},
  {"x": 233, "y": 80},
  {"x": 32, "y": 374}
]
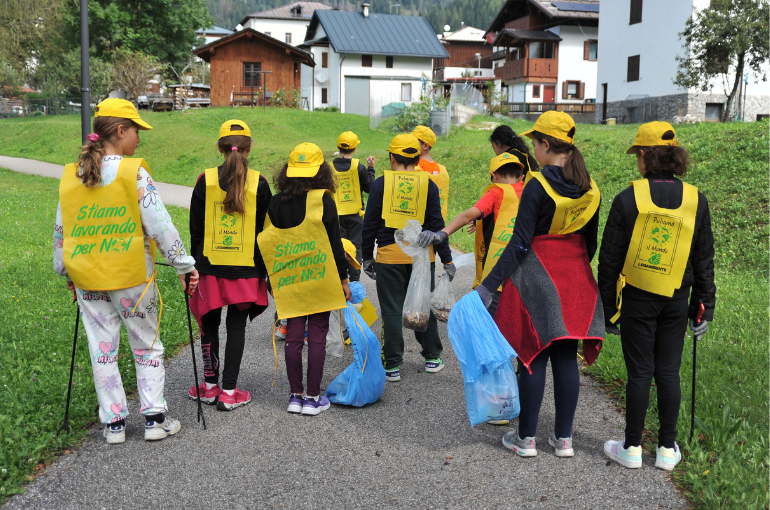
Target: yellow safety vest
[
  {"x": 442, "y": 181},
  {"x": 404, "y": 198},
  {"x": 348, "y": 193},
  {"x": 103, "y": 238},
  {"x": 300, "y": 264},
  {"x": 230, "y": 237},
  {"x": 660, "y": 243},
  {"x": 504, "y": 224},
  {"x": 571, "y": 214}
]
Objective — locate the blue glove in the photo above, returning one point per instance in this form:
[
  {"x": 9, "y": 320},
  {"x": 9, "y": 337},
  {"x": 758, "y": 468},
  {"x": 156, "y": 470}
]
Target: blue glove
[
  {"x": 369, "y": 269},
  {"x": 426, "y": 238},
  {"x": 485, "y": 294},
  {"x": 698, "y": 328},
  {"x": 451, "y": 270}
]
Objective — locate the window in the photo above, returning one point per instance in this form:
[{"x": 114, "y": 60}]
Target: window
[
  {"x": 536, "y": 91},
  {"x": 267, "y": 34},
  {"x": 325, "y": 59},
  {"x": 324, "y": 95},
  {"x": 514, "y": 54},
  {"x": 251, "y": 74},
  {"x": 366, "y": 61},
  {"x": 573, "y": 90},
  {"x": 406, "y": 92},
  {"x": 590, "y": 50},
  {"x": 713, "y": 112},
  {"x": 539, "y": 49},
  {"x": 636, "y": 12},
  {"x": 476, "y": 73},
  {"x": 288, "y": 37},
  {"x": 389, "y": 62},
  {"x": 633, "y": 68}
]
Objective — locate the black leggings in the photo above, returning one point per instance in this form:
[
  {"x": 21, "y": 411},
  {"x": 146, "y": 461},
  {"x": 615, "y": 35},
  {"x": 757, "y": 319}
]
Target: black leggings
[
  {"x": 236, "y": 339},
  {"x": 566, "y": 387}
]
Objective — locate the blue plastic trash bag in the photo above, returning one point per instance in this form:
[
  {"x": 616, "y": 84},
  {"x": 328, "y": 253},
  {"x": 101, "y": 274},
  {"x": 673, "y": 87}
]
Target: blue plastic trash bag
[
  {"x": 364, "y": 380},
  {"x": 358, "y": 292},
  {"x": 484, "y": 355}
]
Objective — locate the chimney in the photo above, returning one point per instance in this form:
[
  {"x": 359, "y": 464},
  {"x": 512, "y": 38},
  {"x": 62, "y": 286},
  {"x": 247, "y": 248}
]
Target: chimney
[
  {"x": 365, "y": 10},
  {"x": 462, "y": 24}
]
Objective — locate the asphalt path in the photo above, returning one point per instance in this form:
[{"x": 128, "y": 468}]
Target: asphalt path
[{"x": 414, "y": 448}]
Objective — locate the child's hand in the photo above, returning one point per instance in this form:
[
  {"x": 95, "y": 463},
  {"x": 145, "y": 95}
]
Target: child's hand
[
  {"x": 71, "y": 287},
  {"x": 370, "y": 161},
  {"x": 346, "y": 290},
  {"x": 194, "y": 277},
  {"x": 471, "y": 227}
]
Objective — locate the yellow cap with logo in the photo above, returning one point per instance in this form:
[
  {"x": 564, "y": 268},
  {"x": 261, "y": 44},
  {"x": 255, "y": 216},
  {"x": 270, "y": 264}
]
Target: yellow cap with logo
[
  {"x": 651, "y": 134},
  {"x": 425, "y": 135},
  {"x": 350, "y": 249},
  {"x": 122, "y": 109},
  {"x": 227, "y": 129},
  {"x": 348, "y": 141},
  {"x": 305, "y": 160},
  {"x": 559, "y": 125},
  {"x": 405, "y": 145},
  {"x": 504, "y": 159}
]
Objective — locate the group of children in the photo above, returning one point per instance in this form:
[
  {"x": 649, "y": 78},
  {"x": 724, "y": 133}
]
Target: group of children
[{"x": 536, "y": 230}]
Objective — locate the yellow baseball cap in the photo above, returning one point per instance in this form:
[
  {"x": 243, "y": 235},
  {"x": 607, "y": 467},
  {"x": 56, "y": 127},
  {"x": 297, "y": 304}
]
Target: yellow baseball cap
[
  {"x": 556, "y": 124},
  {"x": 504, "y": 159},
  {"x": 425, "y": 134},
  {"x": 651, "y": 134},
  {"x": 351, "y": 251},
  {"x": 122, "y": 109},
  {"x": 227, "y": 129},
  {"x": 348, "y": 140},
  {"x": 305, "y": 160},
  {"x": 406, "y": 145}
]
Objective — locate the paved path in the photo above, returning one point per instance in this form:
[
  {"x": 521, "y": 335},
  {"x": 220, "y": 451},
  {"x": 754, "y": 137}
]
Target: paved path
[{"x": 412, "y": 449}]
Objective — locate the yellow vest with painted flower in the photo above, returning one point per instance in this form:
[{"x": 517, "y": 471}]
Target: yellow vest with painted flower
[
  {"x": 348, "y": 193},
  {"x": 404, "y": 197},
  {"x": 571, "y": 214},
  {"x": 300, "y": 264},
  {"x": 504, "y": 225}
]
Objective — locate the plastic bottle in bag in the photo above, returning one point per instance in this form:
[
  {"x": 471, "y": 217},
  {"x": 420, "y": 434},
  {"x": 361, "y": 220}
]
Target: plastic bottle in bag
[
  {"x": 416, "y": 313},
  {"x": 443, "y": 298}
]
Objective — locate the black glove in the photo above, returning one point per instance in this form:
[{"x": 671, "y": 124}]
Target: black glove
[
  {"x": 612, "y": 329},
  {"x": 485, "y": 294},
  {"x": 698, "y": 328},
  {"x": 426, "y": 238},
  {"x": 451, "y": 270},
  {"x": 369, "y": 269}
]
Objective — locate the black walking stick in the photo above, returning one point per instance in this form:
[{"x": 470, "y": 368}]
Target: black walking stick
[
  {"x": 66, "y": 425},
  {"x": 695, "y": 340},
  {"x": 192, "y": 350}
]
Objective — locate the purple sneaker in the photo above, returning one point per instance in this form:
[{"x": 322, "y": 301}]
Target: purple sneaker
[
  {"x": 313, "y": 407},
  {"x": 295, "y": 403}
]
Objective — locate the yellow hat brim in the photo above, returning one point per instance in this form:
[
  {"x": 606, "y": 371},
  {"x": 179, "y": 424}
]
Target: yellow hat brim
[
  {"x": 304, "y": 171},
  {"x": 142, "y": 124},
  {"x": 527, "y": 133},
  {"x": 353, "y": 262}
]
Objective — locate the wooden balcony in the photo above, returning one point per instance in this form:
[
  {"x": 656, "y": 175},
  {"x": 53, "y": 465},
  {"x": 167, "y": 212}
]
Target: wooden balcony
[{"x": 545, "y": 69}]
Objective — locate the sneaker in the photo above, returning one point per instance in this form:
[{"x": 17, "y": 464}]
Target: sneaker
[
  {"x": 115, "y": 433},
  {"x": 393, "y": 374},
  {"x": 499, "y": 422},
  {"x": 665, "y": 458},
  {"x": 156, "y": 430},
  {"x": 434, "y": 365},
  {"x": 237, "y": 399},
  {"x": 207, "y": 396},
  {"x": 524, "y": 447},
  {"x": 313, "y": 407},
  {"x": 295, "y": 403},
  {"x": 280, "y": 332},
  {"x": 562, "y": 445},
  {"x": 630, "y": 457}
]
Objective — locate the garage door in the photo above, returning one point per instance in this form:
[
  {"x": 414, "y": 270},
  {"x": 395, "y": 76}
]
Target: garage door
[{"x": 357, "y": 96}]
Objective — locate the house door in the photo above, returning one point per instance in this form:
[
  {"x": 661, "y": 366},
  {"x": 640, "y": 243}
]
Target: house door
[
  {"x": 357, "y": 96},
  {"x": 549, "y": 93}
]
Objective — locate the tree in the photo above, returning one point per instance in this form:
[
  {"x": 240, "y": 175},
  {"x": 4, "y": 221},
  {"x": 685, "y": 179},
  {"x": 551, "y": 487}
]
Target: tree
[
  {"x": 22, "y": 23},
  {"x": 133, "y": 70},
  {"x": 728, "y": 38}
]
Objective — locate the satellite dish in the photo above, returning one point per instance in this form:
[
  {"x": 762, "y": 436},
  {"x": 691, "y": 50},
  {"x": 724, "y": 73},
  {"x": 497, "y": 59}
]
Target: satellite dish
[
  {"x": 446, "y": 28},
  {"x": 321, "y": 77},
  {"x": 238, "y": 27}
]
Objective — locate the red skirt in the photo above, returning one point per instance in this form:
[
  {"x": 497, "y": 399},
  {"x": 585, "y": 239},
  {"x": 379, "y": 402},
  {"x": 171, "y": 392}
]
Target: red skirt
[{"x": 214, "y": 292}]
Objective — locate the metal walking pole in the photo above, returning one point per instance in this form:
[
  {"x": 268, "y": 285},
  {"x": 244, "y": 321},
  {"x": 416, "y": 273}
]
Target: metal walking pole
[
  {"x": 695, "y": 340},
  {"x": 66, "y": 425},
  {"x": 85, "y": 80},
  {"x": 192, "y": 350}
]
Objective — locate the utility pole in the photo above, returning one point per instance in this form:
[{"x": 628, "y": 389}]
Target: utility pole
[{"x": 85, "y": 79}]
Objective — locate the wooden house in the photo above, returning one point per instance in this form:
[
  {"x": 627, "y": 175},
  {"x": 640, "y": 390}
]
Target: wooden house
[{"x": 239, "y": 60}]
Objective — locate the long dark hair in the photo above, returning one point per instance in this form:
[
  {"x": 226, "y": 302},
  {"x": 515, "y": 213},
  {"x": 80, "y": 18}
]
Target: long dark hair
[
  {"x": 665, "y": 158},
  {"x": 507, "y": 137},
  {"x": 296, "y": 186},
  {"x": 235, "y": 167},
  {"x": 91, "y": 153},
  {"x": 575, "y": 167}
]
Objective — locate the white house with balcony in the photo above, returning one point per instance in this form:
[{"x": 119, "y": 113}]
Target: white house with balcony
[
  {"x": 287, "y": 23},
  {"x": 469, "y": 57},
  {"x": 640, "y": 42},
  {"x": 367, "y": 63}
]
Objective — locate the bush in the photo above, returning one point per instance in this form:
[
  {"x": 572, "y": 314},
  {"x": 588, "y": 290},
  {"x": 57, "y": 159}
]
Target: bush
[
  {"x": 328, "y": 109},
  {"x": 286, "y": 97}
]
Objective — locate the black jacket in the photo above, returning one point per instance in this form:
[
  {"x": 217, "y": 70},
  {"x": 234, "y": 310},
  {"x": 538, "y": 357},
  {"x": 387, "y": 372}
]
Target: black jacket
[
  {"x": 365, "y": 176},
  {"x": 666, "y": 192},
  {"x": 536, "y": 210},
  {"x": 290, "y": 213},
  {"x": 198, "y": 231},
  {"x": 374, "y": 226}
]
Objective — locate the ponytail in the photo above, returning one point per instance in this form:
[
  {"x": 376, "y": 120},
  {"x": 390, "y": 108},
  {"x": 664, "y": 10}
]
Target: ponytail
[
  {"x": 235, "y": 168},
  {"x": 505, "y": 136},
  {"x": 91, "y": 153},
  {"x": 575, "y": 167}
]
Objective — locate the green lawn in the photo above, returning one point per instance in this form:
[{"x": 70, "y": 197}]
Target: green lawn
[{"x": 728, "y": 467}]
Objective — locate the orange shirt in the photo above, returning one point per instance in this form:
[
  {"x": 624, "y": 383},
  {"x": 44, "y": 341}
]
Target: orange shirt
[
  {"x": 490, "y": 203},
  {"x": 429, "y": 166}
]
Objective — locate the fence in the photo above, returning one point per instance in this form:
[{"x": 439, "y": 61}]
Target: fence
[
  {"x": 544, "y": 107},
  {"x": 35, "y": 107}
]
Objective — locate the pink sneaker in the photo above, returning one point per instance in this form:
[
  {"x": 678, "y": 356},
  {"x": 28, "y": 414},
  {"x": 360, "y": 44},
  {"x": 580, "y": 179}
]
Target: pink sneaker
[
  {"x": 237, "y": 399},
  {"x": 207, "y": 396}
]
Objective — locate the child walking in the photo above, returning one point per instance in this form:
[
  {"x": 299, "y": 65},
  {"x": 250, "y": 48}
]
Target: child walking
[
  {"x": 657, "y": 251},
  {"x": 436, "y": 172},
  {"x": 302, "y": 250},
  {"x": 418, "y": 199},
  {"x": 504, "y": 139},
  {"x": 550, "y": 299},
  {"x": 104, "y": 243},
  {"x": 227, "y": 212}
]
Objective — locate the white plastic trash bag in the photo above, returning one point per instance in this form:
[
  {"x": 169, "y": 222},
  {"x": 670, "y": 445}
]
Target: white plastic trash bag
[
  {"x": 443, "y": 298},
  {"x": 416, "y": 314},
  {"x": 334, "y": 342}
]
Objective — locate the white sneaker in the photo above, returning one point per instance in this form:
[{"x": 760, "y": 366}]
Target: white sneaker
[
  {"x": 667, "y": 458},
  {"x": 630, "y": 457},
  {"x": 114, "y": 434},
  {"x": 562, "y": 445},
  {"x": 154, "y": 431},
  {"x": 524, "y": 447}
]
